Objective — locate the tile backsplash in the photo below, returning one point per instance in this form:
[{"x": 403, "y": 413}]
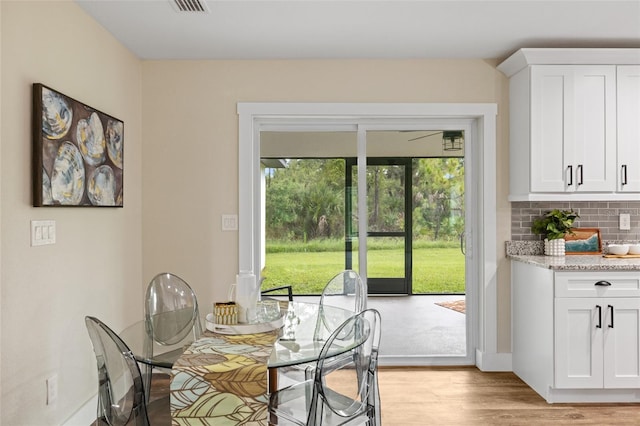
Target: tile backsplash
[{"x": 593, "y": 214}]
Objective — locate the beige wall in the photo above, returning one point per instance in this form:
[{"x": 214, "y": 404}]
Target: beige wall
[
  {"x": 180, "y": 178},
  {"x": 95, "y": 268},
  {"x": 190, "y": 166}
]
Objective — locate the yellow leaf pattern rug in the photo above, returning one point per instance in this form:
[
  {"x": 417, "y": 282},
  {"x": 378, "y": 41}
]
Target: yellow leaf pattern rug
[{"x": 222, "y": 380}]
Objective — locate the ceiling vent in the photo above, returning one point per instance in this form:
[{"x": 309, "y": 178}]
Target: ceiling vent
[{"x": 199, "y": 6}]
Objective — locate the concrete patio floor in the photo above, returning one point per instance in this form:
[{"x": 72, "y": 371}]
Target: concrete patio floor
[{"x": 415, "y": 326}]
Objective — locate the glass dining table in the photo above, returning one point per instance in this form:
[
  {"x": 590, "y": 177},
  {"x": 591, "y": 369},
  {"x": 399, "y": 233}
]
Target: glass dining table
[
  {"x": 296, "y": 342},
  {"x": 228, "y": 377},
  {"x": 306, "y": 326},
  {"x": 137, "y": 337}
]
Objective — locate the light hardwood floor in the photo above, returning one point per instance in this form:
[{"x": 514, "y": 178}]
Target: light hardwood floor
[
  {"x": 460, "y": 396},
  {"x": 467, "y": 396}
]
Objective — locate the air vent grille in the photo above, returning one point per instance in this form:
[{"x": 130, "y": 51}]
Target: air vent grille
[{"x": 199, "y": 6}]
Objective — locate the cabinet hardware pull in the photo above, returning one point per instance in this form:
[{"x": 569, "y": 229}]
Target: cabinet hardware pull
[
  {"x": 599, "y": 308},
  {"x": 604, "y": 283},
  {"x": 570, "y": 176},
  {"x": 624, "y": 174},
  {"x": 611, "y": 309},
  {"x": 580, "y": 174}
]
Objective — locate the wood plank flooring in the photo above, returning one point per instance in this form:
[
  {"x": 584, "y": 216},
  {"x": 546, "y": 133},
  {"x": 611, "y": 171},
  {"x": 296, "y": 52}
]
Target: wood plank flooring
[
  {"x": 460, "y": 396},
  {"x": 466, "y": 396},
  {"x": 158, "y": 409}
]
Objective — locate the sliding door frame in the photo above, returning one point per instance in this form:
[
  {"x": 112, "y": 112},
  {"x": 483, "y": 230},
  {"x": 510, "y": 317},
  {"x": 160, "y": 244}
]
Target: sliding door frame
[{"x": 482, "y": 294}]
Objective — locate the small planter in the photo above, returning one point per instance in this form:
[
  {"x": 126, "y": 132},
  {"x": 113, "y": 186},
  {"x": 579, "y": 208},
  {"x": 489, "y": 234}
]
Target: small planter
[{"x": 554, "y": 247}]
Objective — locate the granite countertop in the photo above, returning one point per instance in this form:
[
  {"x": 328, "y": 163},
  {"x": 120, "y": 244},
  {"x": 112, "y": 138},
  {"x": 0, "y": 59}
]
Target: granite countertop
[
  {"x": 531, "y": 252},
  {"x": 579, "y": 262}
]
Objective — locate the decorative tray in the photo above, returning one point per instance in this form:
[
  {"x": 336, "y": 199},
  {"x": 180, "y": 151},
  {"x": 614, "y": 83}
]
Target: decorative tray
[
  {"x": 262, "y": 327},
  {"x": 622, "y": 256}
]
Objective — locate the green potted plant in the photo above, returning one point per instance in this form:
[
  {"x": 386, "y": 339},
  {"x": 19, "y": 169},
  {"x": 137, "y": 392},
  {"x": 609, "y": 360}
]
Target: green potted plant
[{"x": 554, "y": 225}]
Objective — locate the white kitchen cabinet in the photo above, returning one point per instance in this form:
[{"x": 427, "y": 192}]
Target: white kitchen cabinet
[
  {"x": 564, "y": 123},
  {"x": 558, "y": 348},
  {"x": 628, "y": 113},
  {"x": 596, "y": 343},
  {"x": 573, "y": 128}
]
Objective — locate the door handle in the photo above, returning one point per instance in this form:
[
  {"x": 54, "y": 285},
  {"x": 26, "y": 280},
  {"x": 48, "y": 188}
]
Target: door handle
[
  {"x": 611, "y": 310},
  {"x": 570, "y": 176},
  {"x": 580, "y": 174},
  {"x": 599, "y": 308},
  {"x": 624, "y": 174},
  {"x": 462, "y": 243}
]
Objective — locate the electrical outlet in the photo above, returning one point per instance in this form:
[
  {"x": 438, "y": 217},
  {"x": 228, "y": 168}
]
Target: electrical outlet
[
  {"x": 625, "y": 222},
  {"x": 52, "y": 389}
]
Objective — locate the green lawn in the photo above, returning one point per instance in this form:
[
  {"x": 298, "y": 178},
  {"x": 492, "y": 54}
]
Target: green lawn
[{"x": 436, "y": 269}]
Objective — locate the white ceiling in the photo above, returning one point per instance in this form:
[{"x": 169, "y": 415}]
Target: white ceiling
[{"x": 310, "y": 29}]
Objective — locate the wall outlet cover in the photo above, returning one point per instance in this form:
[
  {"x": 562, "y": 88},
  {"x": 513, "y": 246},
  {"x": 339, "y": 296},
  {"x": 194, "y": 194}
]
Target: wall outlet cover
[{"x": 625, "y": 222}]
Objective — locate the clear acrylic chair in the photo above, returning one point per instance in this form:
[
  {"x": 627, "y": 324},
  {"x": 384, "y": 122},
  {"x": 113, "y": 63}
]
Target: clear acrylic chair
[
  {"x": 343, "y": 389},
  {"x": 121, "y": 395},
  {"x": 345, "y": 290},
  {"x": 172, "y": 321}
]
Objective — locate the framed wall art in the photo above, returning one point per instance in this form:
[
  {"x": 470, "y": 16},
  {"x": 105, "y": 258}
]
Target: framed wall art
[
  {"x": 77, "y": 153},
  {"x": 583, "y": 241}
]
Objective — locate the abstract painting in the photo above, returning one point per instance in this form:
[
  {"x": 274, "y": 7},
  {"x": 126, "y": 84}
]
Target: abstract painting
[{"x": 77, "y": 153}]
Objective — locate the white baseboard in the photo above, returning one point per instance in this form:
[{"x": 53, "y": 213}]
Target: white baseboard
[
  {"x": 85, "y": 415},
  {"x": 486, "y": 361},
  {"x": 592, "y": 396},
  {"x": 419, "y": 361}
]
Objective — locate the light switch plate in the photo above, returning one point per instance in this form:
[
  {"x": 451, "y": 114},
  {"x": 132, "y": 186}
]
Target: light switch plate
[
  {"x": 43, "y": 232},
  {"x": 229, "y": 222},
  {"x": 625, "y": 221}
]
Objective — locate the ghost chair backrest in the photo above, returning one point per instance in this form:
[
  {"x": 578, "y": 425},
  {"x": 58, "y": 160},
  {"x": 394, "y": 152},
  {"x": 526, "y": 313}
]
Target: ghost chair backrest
[
  {"x": 171, "y": 310},
  {"x": 355, "y": 391},
  {"x": 345, "y": 290},
  {"x": 121, "y": 395}
]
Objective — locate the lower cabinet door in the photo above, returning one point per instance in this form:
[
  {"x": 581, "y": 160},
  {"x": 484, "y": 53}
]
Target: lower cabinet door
[
  {"x": 622, "y": 343},
  {"x": 578, "y": 342}
]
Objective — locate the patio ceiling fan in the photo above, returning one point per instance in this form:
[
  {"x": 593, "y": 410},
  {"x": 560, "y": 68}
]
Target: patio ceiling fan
[
  {"x": 423, "y": 136},
  {"x": 452, "y": 140}
]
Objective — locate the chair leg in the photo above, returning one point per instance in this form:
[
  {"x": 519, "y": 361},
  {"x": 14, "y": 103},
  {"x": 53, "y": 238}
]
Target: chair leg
[
  {"x": 147, "y": 371},
  {"x": 376, "y": 402}
]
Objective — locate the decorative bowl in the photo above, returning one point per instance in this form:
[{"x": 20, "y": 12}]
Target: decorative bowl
[
  {"x": 634, "y": 248},
  {"x": 619, "y": 249}
]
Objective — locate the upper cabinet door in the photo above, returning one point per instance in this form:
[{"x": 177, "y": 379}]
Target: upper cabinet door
[
  {"x": 551, "y": 91},
  {"x": 628, "y": 128},
  {"x": 573, "y": 128},
  {"x": 594, "y": 141}
]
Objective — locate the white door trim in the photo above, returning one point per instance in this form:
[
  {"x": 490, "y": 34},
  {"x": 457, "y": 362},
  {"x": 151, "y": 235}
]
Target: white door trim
[{"x": 252, "y": 116}]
